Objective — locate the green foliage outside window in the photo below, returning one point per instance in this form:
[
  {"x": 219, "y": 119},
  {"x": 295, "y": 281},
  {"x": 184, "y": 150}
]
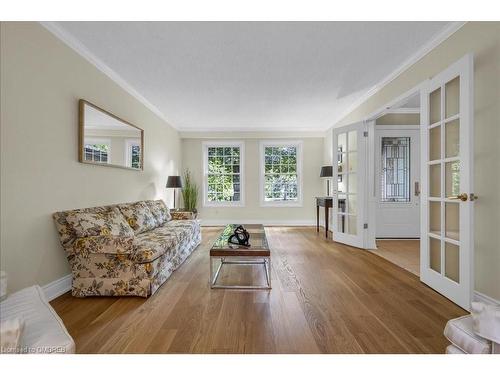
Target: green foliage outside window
[
  {"x": 224, "y": 174},
  {"x": 280, "y": 173}
]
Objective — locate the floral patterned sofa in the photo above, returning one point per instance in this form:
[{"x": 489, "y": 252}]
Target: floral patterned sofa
[{"x": 126, "y": 249}]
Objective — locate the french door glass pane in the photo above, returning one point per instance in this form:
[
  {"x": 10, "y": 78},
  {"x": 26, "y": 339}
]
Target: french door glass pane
[
  {"x": 452, "y": 261},
  {"x": 435, "y": 180},
  {"x": 342, "y": 142},
  {"x": 352, "y": 161},
  {"x": 435, "y": 254},
  {"x": 341, "y": 223},
  {"x": 435, "y": 106},
  {"x": 452, "y": 178},
  {"x": 435, "y": 143},
  {"x": 452, "y": 93},
  {"x": 341, "y": 183},
  {"x": 452, "y": 220},
  {"x": 351, "y": 204},
  {"x": 352, "y": 225},
  {"x": 353, "y": 140},
  {"x": 341, "y": 203},
  {"x": 352, "y": 182},
  {"x": 435, "y": 217},
  {"x": 452, "y": 138}
]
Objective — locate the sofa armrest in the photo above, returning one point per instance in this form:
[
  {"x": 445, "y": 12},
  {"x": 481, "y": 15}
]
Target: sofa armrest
[
  {"x": 183, "y": 215},
  {"x": 105, "y": 244}
]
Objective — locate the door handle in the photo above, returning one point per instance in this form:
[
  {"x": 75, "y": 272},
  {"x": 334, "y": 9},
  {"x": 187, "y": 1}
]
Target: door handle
[
  {"x": 417, "y": 188},
  {"x": 463, "y": 197}
]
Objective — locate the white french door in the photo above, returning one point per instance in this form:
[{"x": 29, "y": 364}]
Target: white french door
[
  {"x": 349, "y": 181},
  {"x": 446, "y": 246}
]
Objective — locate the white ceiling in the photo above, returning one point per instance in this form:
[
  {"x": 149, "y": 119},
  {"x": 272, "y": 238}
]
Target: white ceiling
[{"x": 253, "y": 75}]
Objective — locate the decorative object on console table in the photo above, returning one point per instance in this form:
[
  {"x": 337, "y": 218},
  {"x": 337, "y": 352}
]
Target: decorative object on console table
[
  {"x": 189, "y": 193},
  {"x": 327, "y": 172},
  {"x": 326, "y": 202},
  {"x": 174, "y": 182}
]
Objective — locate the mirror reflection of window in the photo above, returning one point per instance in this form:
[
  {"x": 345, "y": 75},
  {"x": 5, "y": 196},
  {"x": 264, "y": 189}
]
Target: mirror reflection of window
[
  {"x": 133, "y": 153},
  {"x": 98, "y": 151},
  {"x": 108, "y": 140}
]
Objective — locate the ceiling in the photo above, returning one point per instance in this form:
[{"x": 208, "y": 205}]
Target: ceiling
[{"x": 253, "y": 75}]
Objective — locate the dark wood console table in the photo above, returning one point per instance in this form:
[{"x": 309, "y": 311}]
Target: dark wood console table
[{"x": 326, "y": 202}]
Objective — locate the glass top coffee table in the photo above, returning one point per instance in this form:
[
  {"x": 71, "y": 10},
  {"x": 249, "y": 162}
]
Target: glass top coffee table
[{"x": 223, "y": 253}]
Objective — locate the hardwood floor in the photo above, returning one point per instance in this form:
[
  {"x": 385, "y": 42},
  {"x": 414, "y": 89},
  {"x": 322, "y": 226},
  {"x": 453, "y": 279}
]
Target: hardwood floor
[
  {"x": 403, "y": 253},
  {"x": 326, "y": 298}
]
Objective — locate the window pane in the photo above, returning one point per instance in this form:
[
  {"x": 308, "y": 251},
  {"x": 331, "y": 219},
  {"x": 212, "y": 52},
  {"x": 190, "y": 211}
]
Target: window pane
[
  {"x": 452, "y": 178},
  {"x": 435, "y": 106},
  {"x": 353, "y": 140},
  {"x": 435, "y": 217},
  {"x": 352, "y": 225},
  {"x": 395, "y": 168},
  {"x": 435, "y": 180},
  {"x": 435, "y": 254},
  {"x": 223, "y": 174},
  {"x": 452, "y": 138},
  {"x": 452, "y": 92},
  {"x": 280, "y": 173},
  {"x": 452, "y": 220},
  {"x": 435, "y": 143},
  {"x": 452, "y": 261}
]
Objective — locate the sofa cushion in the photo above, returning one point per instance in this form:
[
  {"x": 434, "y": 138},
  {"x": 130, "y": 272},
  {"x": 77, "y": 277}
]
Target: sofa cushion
[
  {"x": 486, "y": 320},
  {"x": 87, "y": 224},
  {"x": 10, "y": 335},
  {"x": 107, "y": 244},
  {"x": 459, "y": 332},
  {"x": 452, "y": 349},
  {"x": 138, "y": 216},
  {"x": 159, "y": 210},
  {"x": 153, "y": 244},
  {"x": 44, "y": 332}
]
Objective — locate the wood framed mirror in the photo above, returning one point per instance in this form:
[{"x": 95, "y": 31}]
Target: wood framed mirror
[{"x": 106, "y": 139}]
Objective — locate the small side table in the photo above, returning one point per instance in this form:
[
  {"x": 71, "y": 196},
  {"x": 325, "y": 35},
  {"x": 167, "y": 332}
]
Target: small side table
[
  {"x": 183, "y": 215},
  {"x": 326, "y": 202}
]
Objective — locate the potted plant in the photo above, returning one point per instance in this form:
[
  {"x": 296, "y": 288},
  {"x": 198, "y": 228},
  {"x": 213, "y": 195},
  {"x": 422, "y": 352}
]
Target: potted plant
[{"x": 190, "y": 193}]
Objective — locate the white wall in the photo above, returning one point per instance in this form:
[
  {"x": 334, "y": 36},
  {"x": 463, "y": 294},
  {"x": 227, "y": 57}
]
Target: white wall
[
  {"x": 41, "y": 82},
  {"x": 312, "y": 161},
  {"x": 482, "y": 39}
]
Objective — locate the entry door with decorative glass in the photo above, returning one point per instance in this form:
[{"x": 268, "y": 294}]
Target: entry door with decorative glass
[
  {"x": 349, "y": 153},
  {"x": 446, "y": 253}
]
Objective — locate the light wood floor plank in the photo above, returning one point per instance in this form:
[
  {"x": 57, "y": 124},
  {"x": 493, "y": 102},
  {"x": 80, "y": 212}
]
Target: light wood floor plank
[{"x": 326, "y": 298}]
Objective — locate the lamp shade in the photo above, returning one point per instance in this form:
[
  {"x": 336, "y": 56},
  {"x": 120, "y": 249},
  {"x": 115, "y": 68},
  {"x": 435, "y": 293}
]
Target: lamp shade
[
  {"x": 326, "y": 171},
  {"x": 174, "y": 182}
]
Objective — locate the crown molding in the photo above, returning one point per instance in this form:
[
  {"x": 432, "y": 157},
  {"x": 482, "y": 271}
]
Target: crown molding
[
  {"x": 403, "y": 110},
  {"x": 78, "y": 47},
  {"x": 424, "y": 50},
  {"x": 84, "y": 52}
]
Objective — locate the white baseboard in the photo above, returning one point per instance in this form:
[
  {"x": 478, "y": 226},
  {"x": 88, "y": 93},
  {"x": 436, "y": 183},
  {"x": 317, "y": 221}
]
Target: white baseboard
[
  {"x": 292, "y": 223},
  {"x": 480, "y": 297},
  {"x": 57, "y": 287}
]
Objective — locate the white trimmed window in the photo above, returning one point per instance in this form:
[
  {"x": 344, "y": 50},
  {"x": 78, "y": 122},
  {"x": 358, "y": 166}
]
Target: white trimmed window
[
  {"x": 223, "y": 173},
  {"x": 281, "y": 173},
  {"x": 133, "y": 153},
  {"x": 97, "y": 150}
]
